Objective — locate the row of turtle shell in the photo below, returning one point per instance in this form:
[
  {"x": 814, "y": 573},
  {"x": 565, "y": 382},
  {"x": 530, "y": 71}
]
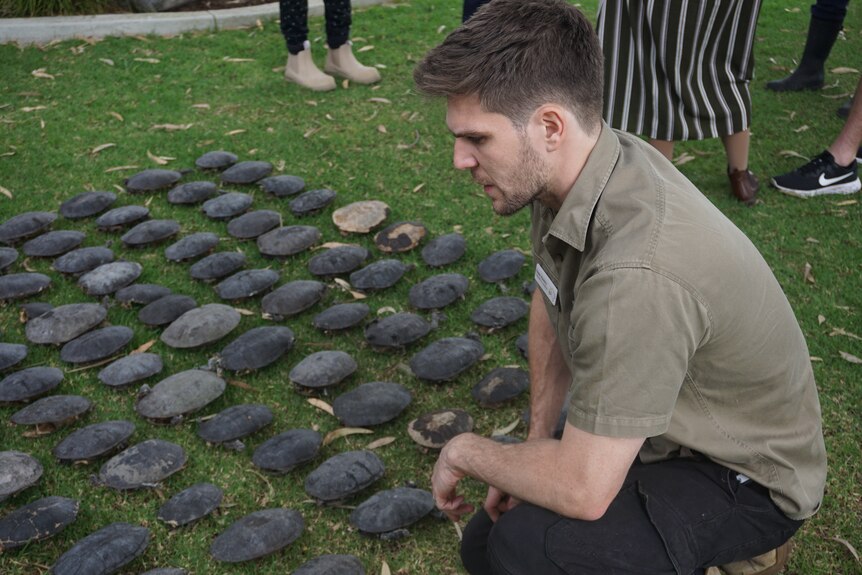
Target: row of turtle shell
[{"x": 352, "y": 406}]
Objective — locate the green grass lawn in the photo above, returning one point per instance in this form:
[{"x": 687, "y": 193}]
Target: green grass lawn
[{"x": 82, "y": 115}]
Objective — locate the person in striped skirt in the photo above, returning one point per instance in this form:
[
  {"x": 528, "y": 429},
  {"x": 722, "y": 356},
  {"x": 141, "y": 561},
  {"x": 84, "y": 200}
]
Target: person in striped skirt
[{"x": 678, "y": 70}]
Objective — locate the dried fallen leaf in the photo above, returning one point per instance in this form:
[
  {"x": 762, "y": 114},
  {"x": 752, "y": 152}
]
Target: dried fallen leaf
[
  {"x": 107, "y": 61},
  {"x": 311, "y": 132},
  {"x": 34, "y": 108},
  {"x": 242, "y": 311},
  {"x": 820, "y": 319},
  {"x": 160, "y": 160},
  {"x": 812, "y": 240},
  {"x": 101, "y": 147},
  {"x": 344, "y": 432},
  {"x": 311, "y": 102},
  {"x": 849, "y": 547},
  {"x": 806, "y": 273},
  {"x": 144, "y": 347},
  {"x": 441, "y": 28},
  {"x": 384, "y": 568},
  {"x": 202, "y": 106},
  {"x": 489, "y": 230},
  {"x": 508, "y": 429},
  {"x": 121, "y": 168},
  {"x": 844, "y": 70},
  {"x": 329, "y": 245},
  {"x": 322, "y": 405},
  {"x": 345, "y": 83},
  {"x": 383, "y": 441},
  {"x": 381, "y": 128},
  {"x": 229, "y": 59},
  {"x": 5, "y": 192},
  {"x": 117, "y": 116},
  {"x": 458, "y": 530},
  {"x": 380, "y": 100},
  {"x": 847, "y": 203},
  {"x": 814, "y": 358},
  {"x": 802, "y": 128},
  {"x": 241, "y": 384},
  {"x": 849, "y": 357},
  {"x": 419, "y": 187},
  {"x": 683, "y": 158},
  {"x": 171, "y": 127},
  {"x": 841, "y": 331},
  {"x": 235, "y": 132},
  {"x": 458, "y": 228},
  {"x": 41, "y": 73},
  {"x": 342, "y": 283},
  {"x": 386, "y": 309},
  {"x": 148, "y": 60}
]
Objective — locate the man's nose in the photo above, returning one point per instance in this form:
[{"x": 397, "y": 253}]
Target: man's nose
[{"x": 462, "y": 157}]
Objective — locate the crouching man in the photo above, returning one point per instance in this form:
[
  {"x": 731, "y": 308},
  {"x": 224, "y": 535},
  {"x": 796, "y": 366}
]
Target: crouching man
[{"x": 693, "y": 431}]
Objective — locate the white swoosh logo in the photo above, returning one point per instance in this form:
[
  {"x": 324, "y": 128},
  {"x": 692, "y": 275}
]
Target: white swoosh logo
[{"x": 824, "y": 181}]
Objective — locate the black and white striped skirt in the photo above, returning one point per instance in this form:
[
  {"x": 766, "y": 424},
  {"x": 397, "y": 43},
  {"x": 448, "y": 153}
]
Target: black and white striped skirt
[{"x": 677, "y": 69}]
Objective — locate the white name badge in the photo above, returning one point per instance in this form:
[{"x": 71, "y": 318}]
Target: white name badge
[{"x": 544, "y": 281}]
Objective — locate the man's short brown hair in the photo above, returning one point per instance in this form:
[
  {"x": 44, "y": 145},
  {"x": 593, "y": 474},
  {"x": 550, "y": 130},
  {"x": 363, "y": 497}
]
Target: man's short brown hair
[{"x": 517, "y": 55}]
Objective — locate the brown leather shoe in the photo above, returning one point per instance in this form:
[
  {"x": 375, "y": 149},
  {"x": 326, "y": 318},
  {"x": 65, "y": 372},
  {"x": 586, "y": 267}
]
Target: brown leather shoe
[
  {"x": 770, "y": 563},
  {"x": 744, "y": 186}
]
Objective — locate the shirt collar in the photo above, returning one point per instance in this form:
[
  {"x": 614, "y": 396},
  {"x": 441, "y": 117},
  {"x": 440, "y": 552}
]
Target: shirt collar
[{"x": 572, "y": 221}]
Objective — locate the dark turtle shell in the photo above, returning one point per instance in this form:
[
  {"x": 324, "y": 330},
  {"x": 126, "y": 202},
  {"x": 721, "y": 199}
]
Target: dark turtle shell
[
  {"x": 152, "y": 180},
  {"x": 522, "y": 344},
  {"x": 235, "y": 422},
  {"x": 378, "y": 275},
  {"x": 400, "y": 237},
  {"x": 17, "y": 286},
  {"x": 166, "y": 309},
  {"x": 246, "y": 284},
  {"x": 20, "y": 471},
  {"x": 371, "y": 404},
  {"x": 292, "y": 298},
  {"x": 25, "y": 225},
  {"x": 331, "y": 565},
  {"x": 166, "y": 571},
  {"x": 37, "y": 520},
  {"x": 323, "y": 369},
  {"x": 191, "y": 247},
  {"x": 53, "y": 410},
  {"x": 360, "y": 217},
  {"x": 499, "y": 312},
  {"x": 7, "y": 257},
  {"x": 201, "y": 326},
  {"x": 253, "y": 224},
  {"x": 191, "y": 504},
  {"x": 282, "y": 186},
  {"x": 83, "y": 260},
  {"x": 11, "y": 354},
  {"x": 246, "y": 172},
  {"x": 192, "y": 192},
  {"x": 397, "y": 330},
  {"x": 53, "y": 244},
  {"x": 435, "y": 429},
  {"x": 444, "y": 250},
  {"x": 312, "y": 201},
  {"x": 179, "y": 394},
  {"x": 438, "y": 291},
  {"x": 150, "y": 232},
  {"x": 104, "y": 552},
  {"x": 142, "y": 294},
  {"x": 338, "y": 260},
  {"x": 29, "y": 383},
  {"x": 501, "y": 384},
  {"x": 216, "y": 266},
  {"x": 341, "y": 316},
  {"x": 144, "y": 464},
  {"x": 108, "y": 278},
  {"x": 87, "y": 204},
  {"x": 256, "y": 348},
  {"x": 501, "y": 265},
  {"x": 65, "y": 323},
  {"x": 287, "y": 241},
  {"x": 94, "y": 441},
  {"x": 122, "y": 217},
  {"x": 227, "y": 205},
  {"x": 34, "y": 309},
  {"x": 97, "y": 344},
  {"x": 392, "y": 509},
  {"x": 131, "y": 369},
  {"x": 344, "y": 475},
  {"x": 446, "y": 358},
  {"x": 216, "y": 160},
  {"x": 286, "y": 450},
  {"x": 257, "y": 535}
]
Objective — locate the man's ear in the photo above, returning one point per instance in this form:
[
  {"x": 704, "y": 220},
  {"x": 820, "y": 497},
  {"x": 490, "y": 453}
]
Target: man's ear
[{"x": 553, "y": 123}]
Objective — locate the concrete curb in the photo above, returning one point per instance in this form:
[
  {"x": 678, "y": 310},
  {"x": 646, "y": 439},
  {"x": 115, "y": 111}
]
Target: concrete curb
[{"x": 26, "y": 31}]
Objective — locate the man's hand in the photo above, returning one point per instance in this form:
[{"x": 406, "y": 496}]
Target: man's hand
[
  {"x": 444, "y": 480},
  {"x": 497, "y": 502}
]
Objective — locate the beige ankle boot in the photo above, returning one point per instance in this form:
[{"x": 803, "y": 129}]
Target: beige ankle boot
[
  {"x": 342, "y": 62},
  {"x": 300, "y": 69}
]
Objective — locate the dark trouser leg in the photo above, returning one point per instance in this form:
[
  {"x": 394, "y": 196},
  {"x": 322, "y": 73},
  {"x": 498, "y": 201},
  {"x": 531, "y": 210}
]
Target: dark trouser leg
[
  {"x": 293, "y": 17},
  {"x": 337, "y": 22},
  {"x": 833, "y": 10},
  {"x": 673, "y": 517}
]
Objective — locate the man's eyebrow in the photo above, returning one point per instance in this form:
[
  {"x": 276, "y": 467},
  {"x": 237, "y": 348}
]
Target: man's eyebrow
[{"x": 468, "y": 133}]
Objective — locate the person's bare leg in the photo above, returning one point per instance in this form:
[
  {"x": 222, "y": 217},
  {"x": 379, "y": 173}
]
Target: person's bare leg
[
  {"x": 845, "y": 146},
  {"x": 663, "y": 146},
  {"x": 736, "y": 147}
]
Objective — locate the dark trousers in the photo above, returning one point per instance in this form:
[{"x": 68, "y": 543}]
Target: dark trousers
[
  {"x": 832, "y": 10},
  {"x": 293, "y": 16},
  {"x": 672, "y": 517}
]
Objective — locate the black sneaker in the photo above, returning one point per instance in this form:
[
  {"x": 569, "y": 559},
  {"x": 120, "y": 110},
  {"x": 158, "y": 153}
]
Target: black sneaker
[
  {"x": 859, "y": 155},
  {"x": 818, "y": 177}
]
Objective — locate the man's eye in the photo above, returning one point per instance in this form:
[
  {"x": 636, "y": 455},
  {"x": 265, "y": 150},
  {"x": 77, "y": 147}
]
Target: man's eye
[{"x": 476, "y": 140}]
